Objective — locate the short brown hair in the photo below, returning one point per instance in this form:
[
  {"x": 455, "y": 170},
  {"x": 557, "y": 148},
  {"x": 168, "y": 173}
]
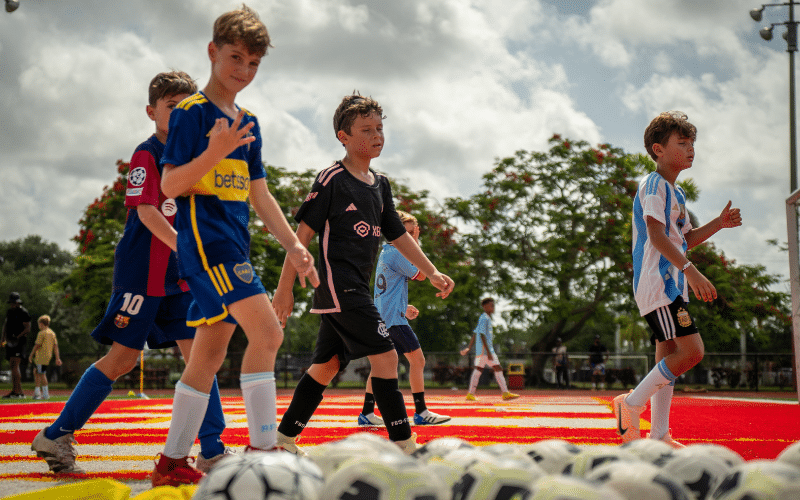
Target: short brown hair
[
  {"x": 406, "y": 217},
  {"x": 242, "y": 25},
  {"x": 352, "y": 106},
  {"x": 45, "y": 320},
  {"x": 661, "y": 128},
  {"x": 168, "y": 84},
  {"x": 487, "y": 300}
]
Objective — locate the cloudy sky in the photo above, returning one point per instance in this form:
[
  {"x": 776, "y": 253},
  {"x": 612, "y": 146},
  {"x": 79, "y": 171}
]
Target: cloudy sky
[{"x": 461, "y": 82}]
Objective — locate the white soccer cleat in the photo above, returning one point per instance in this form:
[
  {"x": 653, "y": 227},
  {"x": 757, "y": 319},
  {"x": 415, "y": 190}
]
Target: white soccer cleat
[{"x": 59, "y": 453}]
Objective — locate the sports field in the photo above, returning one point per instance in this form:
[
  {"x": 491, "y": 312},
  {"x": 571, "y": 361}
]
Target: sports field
[{"x": 122, "y": 438}]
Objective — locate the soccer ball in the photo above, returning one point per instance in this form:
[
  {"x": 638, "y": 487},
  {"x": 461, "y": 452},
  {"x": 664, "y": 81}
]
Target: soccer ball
[
  {"x": 513, "y": 457},
  {"x": 330, "y": 456},
  {"x": 643, "y": 480},
  {"x": 552, "y": 455},
  {"x": 558, "y": 487},
  {"x": 648, "y": 450},
  {"x": 698, "y": 468},
  {"x": 261, "y": 476},
  {"x": 439, "y": 447},
  {"x": 591, "y": 458},
  {"x": 760, "y": 480},
  {"x": 495, "y": 481},
  {"x": 384, "y": 477},
  {"x": 790, "y": 455},
  {"x": 465, "y": 457},
  {"x": 727, "y": 455}
]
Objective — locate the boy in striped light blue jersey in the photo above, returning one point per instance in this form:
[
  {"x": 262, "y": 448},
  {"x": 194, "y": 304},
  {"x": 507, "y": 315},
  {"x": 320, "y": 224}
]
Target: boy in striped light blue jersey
[{"x": 662, "y": 233}]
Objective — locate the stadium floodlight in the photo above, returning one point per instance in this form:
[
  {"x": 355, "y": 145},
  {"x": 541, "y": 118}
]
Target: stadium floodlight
[
  {"x": 12, "y": 5},
  {"x": 756, "y": 14}
]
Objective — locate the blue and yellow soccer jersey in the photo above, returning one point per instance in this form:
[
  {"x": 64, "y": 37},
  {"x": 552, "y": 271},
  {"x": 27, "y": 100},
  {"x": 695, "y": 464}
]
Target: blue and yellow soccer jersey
[
  {"x": 391, "y": 285},
  {"x": 484, "y": 327},
  {"x": 350, "y": 217},
  {"x": 213, "y": 214},
  {"x": 143, "y": 264}
]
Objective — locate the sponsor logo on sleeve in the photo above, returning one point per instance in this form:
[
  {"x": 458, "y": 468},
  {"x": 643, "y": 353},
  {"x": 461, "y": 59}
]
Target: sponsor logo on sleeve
[
  {"x": 133, "y": 192},
  {"x": 169, "y": 207}
]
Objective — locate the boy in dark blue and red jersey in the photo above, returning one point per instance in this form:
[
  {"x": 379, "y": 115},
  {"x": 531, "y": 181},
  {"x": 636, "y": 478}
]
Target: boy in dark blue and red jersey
[
  {"x": 149, "y": 301},
  {"x": 351, "y": 206}
]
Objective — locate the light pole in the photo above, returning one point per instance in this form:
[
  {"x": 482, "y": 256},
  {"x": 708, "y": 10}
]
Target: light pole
[{"x": 791, "y": 47}]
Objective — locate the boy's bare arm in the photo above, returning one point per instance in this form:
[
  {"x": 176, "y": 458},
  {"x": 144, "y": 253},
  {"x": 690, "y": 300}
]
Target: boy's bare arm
[
  {"x": 272, "y": 216},
  {"x": 703, "y": 289},
  {"x": 730, "y": 217},
  {"x": 283, "y": 301},
  {"x": 465, "y": 350},
  {"x": 411, "y": 251},
  {"x": 155, "y": 221},
  {"x": 223, "y": 139}
]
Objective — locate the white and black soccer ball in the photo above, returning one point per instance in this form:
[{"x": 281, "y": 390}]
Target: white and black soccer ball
[
  {"x": 439, "y": 447},
  {"x": 592, "y": 458},
  {"x": 727, "y": 455},
  {"x": 560, "y": 487},
  {"x": 700, "y": 468},
  {"x": 790, "y": 455},
  {"x": 649, "y": 450},
  {"x": 760, "y": 480},
  {"x": 261, "y": 476},
  {"x": 491, "y": 481},
  {"x": 330, "y": 456},
  {"x": 640, "y": 481},
  {"x": 384, "y": 477},
  {"x": 552, "y": 455}
]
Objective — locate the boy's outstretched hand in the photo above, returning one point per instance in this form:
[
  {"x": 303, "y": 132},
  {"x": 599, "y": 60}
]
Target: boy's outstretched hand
[
  {"x": 730, "y": 217},
  {"x": 224, "y": 138},
  {"x": 443, "y": 283},
  {"x": 303, "y": 263}
]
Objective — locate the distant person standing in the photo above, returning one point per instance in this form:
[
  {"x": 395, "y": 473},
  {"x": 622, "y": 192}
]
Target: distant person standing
[
  {"x": 46, "y": 345},
  {"x": 561, "y": 363},
  {"x": 598, "y": 355},
  {"x": 15, "y": 328}
]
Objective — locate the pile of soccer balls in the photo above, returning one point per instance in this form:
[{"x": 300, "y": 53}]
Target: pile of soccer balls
[{"x": 367, "y": 467}]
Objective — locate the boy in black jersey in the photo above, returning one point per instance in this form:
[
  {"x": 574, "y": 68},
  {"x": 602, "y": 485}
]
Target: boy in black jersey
[{"x": 350, "y": 206}]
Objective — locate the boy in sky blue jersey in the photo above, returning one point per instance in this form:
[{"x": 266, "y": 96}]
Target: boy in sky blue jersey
[
  {"x": 483, "y": 339},
  {"x": 148, "y": 302},
  {"x": 391, "y": 298},
  {"x": 212, "y": 166},
  {"x": 662, "y": 275}
]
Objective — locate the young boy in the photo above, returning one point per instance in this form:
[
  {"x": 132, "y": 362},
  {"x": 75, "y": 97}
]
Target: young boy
[
  {"x": 484, "y": 353},
  {"x": 148, "y": 301},
  {"x": 46, "y": 345},
  {"x": 391, "y": 299},
  {"x": 662, "y": 232},
  {"x": 351, "y": 206},
  {"x": 16, "y": 327},
  {"x": 212, "y": 166}
]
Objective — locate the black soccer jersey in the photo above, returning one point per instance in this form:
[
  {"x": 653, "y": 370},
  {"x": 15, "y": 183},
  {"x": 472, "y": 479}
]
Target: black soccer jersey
[{"x": 349, "y": 216}]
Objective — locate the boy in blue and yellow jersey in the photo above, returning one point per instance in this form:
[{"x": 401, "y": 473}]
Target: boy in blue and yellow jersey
[
  {"x": 212, "y": 166},
  {"x": 350, "y": 206},
  {"x": 662, "y": 275},
  {"x": 148, "y": 301}
]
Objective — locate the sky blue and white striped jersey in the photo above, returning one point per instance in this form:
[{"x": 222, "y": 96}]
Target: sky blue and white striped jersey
[
  {"x": 656, "y": 282},
  {"x": 484, "y": 327}
]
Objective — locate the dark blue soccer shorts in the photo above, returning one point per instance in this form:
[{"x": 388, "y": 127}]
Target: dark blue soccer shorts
[
  {"x": 404, "y": 338},
  {"x": 214, "y": 290},
  {"x": 133, "y": 320}
]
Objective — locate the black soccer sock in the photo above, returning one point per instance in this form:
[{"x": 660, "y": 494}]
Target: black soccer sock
[
  {"x": 393, "y": 409},
  {"x": 419, "y": 401},
  {"x": 307, "y": 397},
  {"x": 369, "y": 404}
]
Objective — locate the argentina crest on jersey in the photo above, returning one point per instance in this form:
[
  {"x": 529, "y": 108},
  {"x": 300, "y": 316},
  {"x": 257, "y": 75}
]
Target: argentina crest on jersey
[{"x": 244, "y": 272}]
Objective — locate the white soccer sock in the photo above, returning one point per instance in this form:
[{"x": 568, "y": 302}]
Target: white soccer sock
[
  {"x": 501, "y": 381},
  {"x": 188, "y": 411},
  {"x": 46, "y": 392},
  {"x": 473, "y": 381},
  {"x": 36, "y": 391},
  {"x": 659, "y": 377},
  {"x": 258, "y": 392},
  {"x": 660, "y": 405}
]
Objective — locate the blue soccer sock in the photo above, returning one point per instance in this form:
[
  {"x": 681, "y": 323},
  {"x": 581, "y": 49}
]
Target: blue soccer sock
[
  {"x": 210, "y": 433},
  {"x": 92, "y": 389}
]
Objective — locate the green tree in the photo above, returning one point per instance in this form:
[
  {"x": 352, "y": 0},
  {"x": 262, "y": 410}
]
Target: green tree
[{"x": 553, "y": 236}]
